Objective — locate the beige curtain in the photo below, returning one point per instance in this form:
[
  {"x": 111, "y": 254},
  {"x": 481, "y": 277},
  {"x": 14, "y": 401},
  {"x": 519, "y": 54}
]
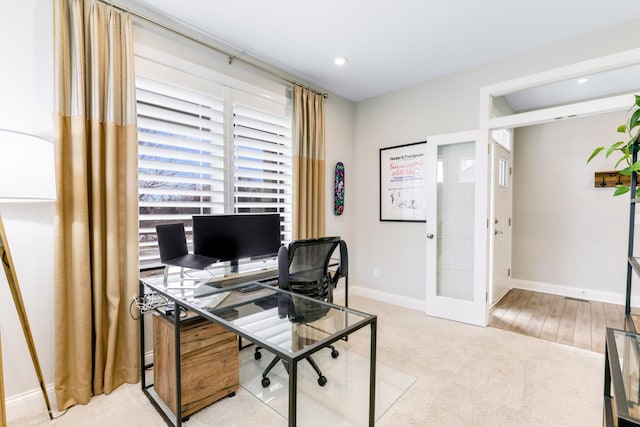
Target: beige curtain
[
  {"x": 96, "y": 224},
  {"x": 308, "y": 164}
]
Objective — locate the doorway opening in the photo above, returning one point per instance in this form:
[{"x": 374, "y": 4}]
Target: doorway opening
[{"x": 499, "y": 110}]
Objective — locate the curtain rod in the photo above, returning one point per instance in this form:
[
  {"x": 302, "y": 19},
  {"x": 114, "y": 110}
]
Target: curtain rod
[{"x": 229, "y": 55}]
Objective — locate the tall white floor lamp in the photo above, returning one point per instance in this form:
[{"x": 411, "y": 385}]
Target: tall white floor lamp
[{"x": 27, "y": 175}]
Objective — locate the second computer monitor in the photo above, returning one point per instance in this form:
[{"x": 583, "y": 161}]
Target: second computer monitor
[{"x": 238, "y": 236}]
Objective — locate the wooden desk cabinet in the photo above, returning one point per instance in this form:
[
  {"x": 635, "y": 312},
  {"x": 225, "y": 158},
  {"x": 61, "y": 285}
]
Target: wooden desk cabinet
[{"x": 209, "y": 363}]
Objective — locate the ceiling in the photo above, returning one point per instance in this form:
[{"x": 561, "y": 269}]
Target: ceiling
[{"x": 389, "y": 44}]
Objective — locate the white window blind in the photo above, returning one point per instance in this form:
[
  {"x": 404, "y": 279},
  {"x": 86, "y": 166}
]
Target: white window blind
[
  {"x": 189, "y": 164},
  {"x": 180, "y": 158},
  {"x": 262, "y": 169}
]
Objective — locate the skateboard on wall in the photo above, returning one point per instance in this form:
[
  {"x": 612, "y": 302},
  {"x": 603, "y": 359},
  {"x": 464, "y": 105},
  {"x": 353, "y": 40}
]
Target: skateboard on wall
[{"x": 338, "y": 196}]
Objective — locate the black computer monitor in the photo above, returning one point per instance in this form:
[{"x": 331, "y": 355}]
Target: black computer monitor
[{"x": 233, "y": 237}]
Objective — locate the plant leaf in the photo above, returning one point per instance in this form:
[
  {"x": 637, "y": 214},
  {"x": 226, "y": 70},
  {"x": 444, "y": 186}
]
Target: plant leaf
[
  {"x": 621, "y": 159},
  {"x": 635, "y": 167},
  {"x": 622, "y": 128},
  {"x": 613, "y": 148},
  {"x": 595, "y": 153},
  {"x": 637, "y": 100},
  {"x": 621, "y": 189},
  {"x": 634, "y": 120},
  {"x": 631, "y": 168}
]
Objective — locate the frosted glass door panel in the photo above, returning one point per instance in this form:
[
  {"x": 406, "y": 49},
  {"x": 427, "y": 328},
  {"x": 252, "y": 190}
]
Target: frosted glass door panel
[{"x": 455, "y": 215}]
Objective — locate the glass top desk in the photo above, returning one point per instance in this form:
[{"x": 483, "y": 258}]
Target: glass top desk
[{"x": 312, "y": 325}]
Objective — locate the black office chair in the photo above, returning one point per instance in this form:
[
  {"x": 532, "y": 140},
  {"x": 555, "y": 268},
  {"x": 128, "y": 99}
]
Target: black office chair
[
  {"x": 172, "y": 244},
  {"x": 342, "y": 271},
  {"x": 303, "y": 268}
]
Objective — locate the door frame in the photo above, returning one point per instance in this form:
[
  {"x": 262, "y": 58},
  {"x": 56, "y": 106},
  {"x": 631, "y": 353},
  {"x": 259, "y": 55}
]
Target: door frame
[
  {"x": 545, "y": 115},
  {"x": 472, "y": 312}
]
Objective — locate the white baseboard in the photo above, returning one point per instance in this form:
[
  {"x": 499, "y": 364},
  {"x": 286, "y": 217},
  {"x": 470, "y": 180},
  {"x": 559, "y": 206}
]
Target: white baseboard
[
  {"x": 29, "y": 403},
  {"x": 412, "y": 303},
  {"x": 568, "y": 291}
]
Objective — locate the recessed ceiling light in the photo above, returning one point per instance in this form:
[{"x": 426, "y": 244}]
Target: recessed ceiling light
[
  {"x": 340, "y": 60},
  {"x": 583, "y": 80}
]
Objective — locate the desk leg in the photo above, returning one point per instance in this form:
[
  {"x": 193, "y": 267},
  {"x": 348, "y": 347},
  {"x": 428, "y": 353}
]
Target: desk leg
[
  {"x": 143, "y": 372},
  {"x": 372, "y": 375},
  {"x": 293, "y": 392},
  {"x": 346, "y": 291},
  {"x": 176, "y": 330}
]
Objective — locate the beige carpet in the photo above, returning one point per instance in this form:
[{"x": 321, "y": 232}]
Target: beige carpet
[{"x": 466, "y": 376}]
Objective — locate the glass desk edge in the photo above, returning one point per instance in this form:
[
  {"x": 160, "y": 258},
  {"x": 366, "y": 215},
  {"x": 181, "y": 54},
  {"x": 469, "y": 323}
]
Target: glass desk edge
[{"x": 366, "y": 319}]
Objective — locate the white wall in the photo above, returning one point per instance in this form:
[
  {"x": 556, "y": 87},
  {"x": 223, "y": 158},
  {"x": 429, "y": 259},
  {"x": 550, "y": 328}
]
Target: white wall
[
  {"x": 26, "y": 94},
  {"x": 412, "y": 114},
  {"x": 567, "y": 234},
  {"x": 339, "y": 120},
  {"x": 26, "y": 99}
]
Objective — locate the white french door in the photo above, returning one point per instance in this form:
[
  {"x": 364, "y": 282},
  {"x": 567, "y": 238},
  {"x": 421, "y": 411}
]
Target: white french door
[{"x": 456, "y": 227}]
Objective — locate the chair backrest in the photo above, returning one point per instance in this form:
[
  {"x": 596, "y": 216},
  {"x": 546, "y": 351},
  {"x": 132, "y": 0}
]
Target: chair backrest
[
  {"x": 307, "y": 266},
  {"x": 343, "y": 267},
  {"x": 172, "y": 241}
]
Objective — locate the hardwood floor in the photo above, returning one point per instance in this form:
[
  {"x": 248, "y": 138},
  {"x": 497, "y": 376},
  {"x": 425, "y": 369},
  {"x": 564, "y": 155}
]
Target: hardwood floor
[{"x": 575, "y": 322}]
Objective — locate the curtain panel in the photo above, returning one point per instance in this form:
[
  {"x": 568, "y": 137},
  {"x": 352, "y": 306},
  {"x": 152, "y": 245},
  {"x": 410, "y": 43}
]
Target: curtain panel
[
  {"x": 96, "y": 223},
  {"x": 308, "y": 164}
]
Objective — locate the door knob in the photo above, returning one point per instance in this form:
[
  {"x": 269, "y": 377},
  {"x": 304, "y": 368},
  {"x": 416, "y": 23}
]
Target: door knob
[{"x": 429, "y": 235}]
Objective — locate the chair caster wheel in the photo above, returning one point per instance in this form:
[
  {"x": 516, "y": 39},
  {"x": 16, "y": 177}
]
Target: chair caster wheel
[
  {"x": 266, "y": 381},
  {"x": 335, "y": 354},
  {"x": 257, "y": 355},
  {"x": 322, "y": 380}
]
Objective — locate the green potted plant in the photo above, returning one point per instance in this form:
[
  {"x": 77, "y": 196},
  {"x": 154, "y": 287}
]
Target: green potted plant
[{"x": 623, "y": 149}]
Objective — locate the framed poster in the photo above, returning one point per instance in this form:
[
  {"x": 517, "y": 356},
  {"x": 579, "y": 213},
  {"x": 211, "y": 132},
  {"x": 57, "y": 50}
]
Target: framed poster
[{"x": 402, "y": 183}]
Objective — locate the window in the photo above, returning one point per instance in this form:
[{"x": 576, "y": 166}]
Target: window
[
  {"x": 209, "y": 151},
  {"x": 502, "y": 137},
  {"x": 503, "y": 173}
]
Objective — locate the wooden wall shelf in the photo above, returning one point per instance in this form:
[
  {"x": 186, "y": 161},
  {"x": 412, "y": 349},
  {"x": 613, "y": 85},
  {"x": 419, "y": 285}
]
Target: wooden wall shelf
[{"x": 608, "y": 179}]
